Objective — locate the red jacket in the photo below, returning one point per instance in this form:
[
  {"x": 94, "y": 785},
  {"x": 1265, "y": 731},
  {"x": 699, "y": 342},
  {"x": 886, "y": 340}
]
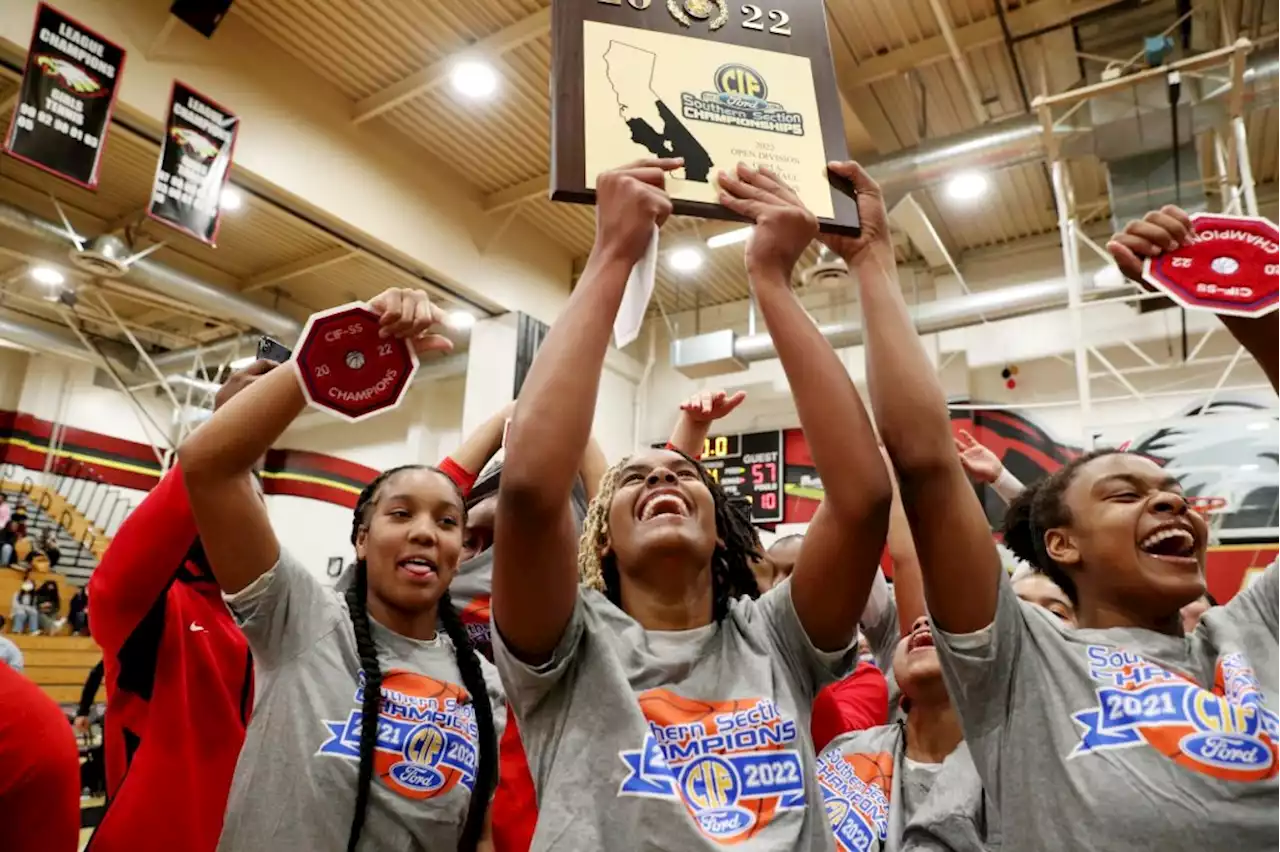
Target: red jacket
[
  {"x": 179, "y": 682},
  {"x": 858, "y": 702},
  {"x": 39, "y": 770}
]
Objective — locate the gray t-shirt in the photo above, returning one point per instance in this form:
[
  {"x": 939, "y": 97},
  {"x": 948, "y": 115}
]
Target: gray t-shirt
[
  {"x": 1124, "y": 738},
  {"x": 703, "y": 743},
  {"x": 877, "y": 800},
  {"x": 294, "y": 785}
]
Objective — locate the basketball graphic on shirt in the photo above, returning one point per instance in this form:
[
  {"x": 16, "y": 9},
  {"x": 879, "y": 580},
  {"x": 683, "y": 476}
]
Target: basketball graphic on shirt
[
  {"x": 1225, "y": 733},
  {"x": 426, "y": 739},
  {"x": 475, "y": 617},
  {"x": 732, "y": 764},
  {"x": 855, "y": 795}
]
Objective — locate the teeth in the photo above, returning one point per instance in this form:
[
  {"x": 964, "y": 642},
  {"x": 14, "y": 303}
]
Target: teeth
[
  {"x": 1188, "y": 541},
  {"x": 667, "y": 502}
]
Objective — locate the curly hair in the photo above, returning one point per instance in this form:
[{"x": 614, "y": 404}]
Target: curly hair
[
  {"x": 731, "y": 574},
  {"x": 371, "y": 670},
  {"x": 1040, "y": 508}
]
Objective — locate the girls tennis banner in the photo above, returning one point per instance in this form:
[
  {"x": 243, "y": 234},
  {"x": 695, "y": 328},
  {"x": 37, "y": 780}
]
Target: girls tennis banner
[
  {"x": 68, "y": 93},
  {"x": 195, "y": 162}
]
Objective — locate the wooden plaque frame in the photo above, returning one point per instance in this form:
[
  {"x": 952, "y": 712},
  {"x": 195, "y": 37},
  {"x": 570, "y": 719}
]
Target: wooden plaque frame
[{"x": 808, "y": 26}]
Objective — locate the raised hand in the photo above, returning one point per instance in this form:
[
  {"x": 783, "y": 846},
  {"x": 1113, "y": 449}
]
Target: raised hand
[
  {"x": 629, "y": 201},
  {"x": 708, "y": 406},
  {"x": 784, "y": 226},
  {"x": 241, "y": 379},
  {"x": 871, "y": 214},
  {"x": 980, "y": 463},
  {"x": 1159, "y": 231},
  {"x": 408, "y": 314}
]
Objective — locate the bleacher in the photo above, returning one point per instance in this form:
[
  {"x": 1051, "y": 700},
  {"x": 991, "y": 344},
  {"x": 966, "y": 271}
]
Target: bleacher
[{"x": 60, "y": 664}]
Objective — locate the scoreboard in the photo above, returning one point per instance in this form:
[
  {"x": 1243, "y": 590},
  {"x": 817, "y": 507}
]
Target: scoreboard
[{"x": 749, "y": 466}]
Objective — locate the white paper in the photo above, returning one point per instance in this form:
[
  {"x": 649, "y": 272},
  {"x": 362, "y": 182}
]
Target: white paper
[{"x": 635, "y": 298}]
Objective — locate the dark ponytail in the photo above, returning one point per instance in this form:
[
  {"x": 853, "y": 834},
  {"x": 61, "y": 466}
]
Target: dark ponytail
[
  {"x": 473, "y": 680},
  {"x": 371, "y": 705},
  {"x": 468, "y": 665}
]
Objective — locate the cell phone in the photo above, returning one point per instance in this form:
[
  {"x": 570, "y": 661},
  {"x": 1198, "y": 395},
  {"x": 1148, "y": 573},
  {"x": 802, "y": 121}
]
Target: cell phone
[{"x": 273, "y": 350}]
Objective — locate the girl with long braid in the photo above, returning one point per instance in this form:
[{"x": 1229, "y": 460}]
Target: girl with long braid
[
  {"x": 1123, "y": 733},
  {"x": 373, "y": 727},
  {"x": 662, "y": 705}
]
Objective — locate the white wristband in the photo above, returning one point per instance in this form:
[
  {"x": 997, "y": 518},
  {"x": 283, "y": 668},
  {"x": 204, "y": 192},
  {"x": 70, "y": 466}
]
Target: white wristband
[{"x": 1008, "y": 486}]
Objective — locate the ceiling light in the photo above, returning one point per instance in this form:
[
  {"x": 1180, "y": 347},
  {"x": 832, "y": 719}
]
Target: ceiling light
[
  {"x": 685, "y": 259},
  {"x": 474, "y": 78},
  {"x": 241, "y": 363},
  {"x": 967, "y": 186},
  {"x": 728, "y": 238},
  {"x": 1248, "y": 467},
  {"x": 1259, "y": 425},
  {"x": 47, "y": 276},
  {"x": 230, "y": 199},
  {"x": 460, "y": 320}
]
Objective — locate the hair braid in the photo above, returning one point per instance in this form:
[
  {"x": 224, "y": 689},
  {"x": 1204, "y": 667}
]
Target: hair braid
[
  {"x": 738, "y": 543},
  {"x": 1040, "y": 508},
  {"x": 473, "y": 680}
]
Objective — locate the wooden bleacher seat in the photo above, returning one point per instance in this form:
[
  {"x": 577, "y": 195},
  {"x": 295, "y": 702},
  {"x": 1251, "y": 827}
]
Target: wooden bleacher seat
[{"x": 60, "y": 664}]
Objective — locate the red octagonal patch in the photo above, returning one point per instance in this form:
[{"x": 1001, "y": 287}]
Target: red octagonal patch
[
  {"x": 346, "y": 369},
  {"x": 1229, "y": 268}
]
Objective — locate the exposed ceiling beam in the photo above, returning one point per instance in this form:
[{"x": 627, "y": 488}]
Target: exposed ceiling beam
[
  {"x": 421, "y": 82},
  {"x": 512, "y": 195},
  {"x": 1025, "y": 19},
  {"x": 124, "y": 220},
  {"x": 298, "y": 267}
]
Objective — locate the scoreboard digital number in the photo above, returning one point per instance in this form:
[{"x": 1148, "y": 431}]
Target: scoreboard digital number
[{"x": 749, "y": 466}]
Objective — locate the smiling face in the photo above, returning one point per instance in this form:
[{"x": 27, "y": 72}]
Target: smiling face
[
  {"x": 1133, "y": 541},
  {"x": 661, "y": 511},
  {"x": 916, "y": 667},
  {"x": 412, "y": 539}
]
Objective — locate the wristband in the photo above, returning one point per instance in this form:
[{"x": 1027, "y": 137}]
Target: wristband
[{"x": 1008, "y": 486}]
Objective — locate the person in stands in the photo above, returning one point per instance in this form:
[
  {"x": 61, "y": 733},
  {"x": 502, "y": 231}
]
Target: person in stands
[
  {"x": 48, "y": 606},
  {"x": 10, "y": 654},
  {"x": 178, "y": 671},
  {"x": 39, "y": 770},
  {"x": 78, "y": 612},
  {"x": 1143, "y": 735},
  {"x": 23, "y": 611},
  {"x": 49, "y": 547},
  {"x": 9, "y": 535},
  {"x": 619, "y": 684},
  {"x": 374, "y": 726}
]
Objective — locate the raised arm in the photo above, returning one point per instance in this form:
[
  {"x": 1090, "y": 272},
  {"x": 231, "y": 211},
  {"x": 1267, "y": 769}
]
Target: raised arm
[
  {"x": 535, "y": 575},
  {"x": 1164, "y": 230},
  {"x": 464, "y": 464},
  {"x": 958, "y": 557},
  {"x": 908, "y": 587},
  {"x": 841, "y": 551},
  {"x": 697, "y": 413},
  {"x": 217, "y": 459},
  {"x": 151, "y": 545},
  {"x": 984, "y": 466}
]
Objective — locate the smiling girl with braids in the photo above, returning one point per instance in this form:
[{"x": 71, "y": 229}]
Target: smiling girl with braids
[
  {"x": 1123, "y": 733},
  {"x": 662, "y": 706},
  {"x": 373, "y": 727}
]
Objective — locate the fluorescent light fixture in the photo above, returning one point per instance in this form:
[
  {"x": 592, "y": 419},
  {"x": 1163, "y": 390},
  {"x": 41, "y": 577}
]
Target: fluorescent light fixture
[
  {"x": 1248, "y": 467},
  {"x": 241, "y": 363},
  {"x": 460, "y": 320},
  {"x": 230, "y": 199},
  {"x": 728, "y": 238},
  {"x": 1259, "y": 425},
  {"x": 685, "y": 259},
  {"x": 474, "y": 78},
  {"x": 47, "y": 275},
  {"x": 967, "y": 186}
]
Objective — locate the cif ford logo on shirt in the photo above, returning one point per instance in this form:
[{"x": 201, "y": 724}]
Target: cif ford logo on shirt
[
  {"x": 1226, "y": 733},
  {"x": 741, "y": 99},
  {"x": 732, "y": 764},
  {"x": 427, "y": 736}
]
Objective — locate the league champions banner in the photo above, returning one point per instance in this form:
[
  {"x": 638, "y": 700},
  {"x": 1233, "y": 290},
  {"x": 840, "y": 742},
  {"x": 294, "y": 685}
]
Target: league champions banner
[
  {"x": 195, "y": 163},
  {"x": 65, "y": 102}
]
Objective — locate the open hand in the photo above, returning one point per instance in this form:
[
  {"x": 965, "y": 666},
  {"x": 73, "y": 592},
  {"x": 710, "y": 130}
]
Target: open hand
[
  {"x": 407, "y": 314},
  {"x": 241, "y": 379},
  {"x": 629, "y": 201},
  {"x": 707, "y": 406},
  {"x": 81, "y": 725},
  {"x": 1159, "y": 231},
  {"x": 872, "y": 217},
  {"x": 784, "y": 226},
  {"x": 979, "y": 462}
]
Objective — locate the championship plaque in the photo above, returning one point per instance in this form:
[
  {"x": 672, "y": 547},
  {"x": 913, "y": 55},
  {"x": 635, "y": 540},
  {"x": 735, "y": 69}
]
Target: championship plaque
[{"x": 713, "y": 82}]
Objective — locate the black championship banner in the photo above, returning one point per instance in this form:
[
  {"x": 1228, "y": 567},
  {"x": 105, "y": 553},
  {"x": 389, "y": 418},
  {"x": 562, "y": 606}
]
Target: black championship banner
[
  {"x": 67, "y": 95},
  {"x": 195, "y": 162}
]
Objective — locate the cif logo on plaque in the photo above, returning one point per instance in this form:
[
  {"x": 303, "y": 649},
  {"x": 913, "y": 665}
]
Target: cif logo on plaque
[{"x": 741, "y": 99}]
